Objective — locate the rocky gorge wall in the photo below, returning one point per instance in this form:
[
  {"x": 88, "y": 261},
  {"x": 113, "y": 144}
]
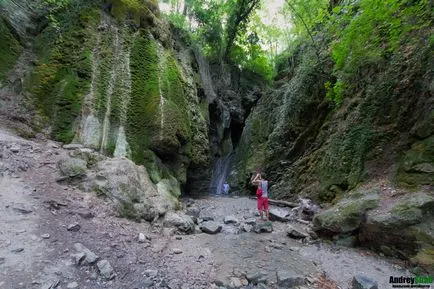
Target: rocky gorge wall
[
  {"x": 111, "y": 77},
  {"x": 309, "y": 146},
  {"x": 369, "y": 160}
]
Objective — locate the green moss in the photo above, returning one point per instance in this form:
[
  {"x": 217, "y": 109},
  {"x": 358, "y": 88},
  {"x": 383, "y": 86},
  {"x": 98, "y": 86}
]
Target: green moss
[
  {"x": 142, "y": 110},
  {"x": 417, "y": 165},
  {"x": 155, "y": 167},
  {"x": 10, "y": 49},
  {"x": 71, "y": 90},
  {"x": 63, "y": 76},
  {"x": 134, "y": 10},
  {"x": 343, "y": 162},
  {"x": 347, "y": 215},
  {"x": 158, "y": 115}
]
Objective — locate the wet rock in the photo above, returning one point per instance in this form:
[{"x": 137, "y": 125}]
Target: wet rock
[
  {"x": 105, "y": 269},
  {"x": 75, "y": 227},
  {"x": 72, "y": 167},
  {"x": 231, "y": 220},
  {"x": 2, "y": 260},
  {"x": 363, "y": 282},
  {"x": 294, "y": 231},
  {"x": 21, "y": 208},
  {"x": 182, "y": 222},
  {"x": 72, "y": 285},
  {"x": 279, "y": 214},
  {"x": 289, "y": 279},
  {"x": 210, "y": 227},
  {"x": 89, "y": 256},
  {"x": 72, "y": 146},
  {"x": 263, "y": 227}
]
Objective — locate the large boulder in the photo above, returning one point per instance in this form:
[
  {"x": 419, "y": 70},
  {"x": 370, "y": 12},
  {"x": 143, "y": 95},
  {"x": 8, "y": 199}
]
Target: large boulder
[
  {"x": 348, "y": 214},
  {"x": 130, "y": 187},
  {"x": 210, "y": 227},
  {"x": 88, "y": 155},
  {"x": 417, "y": 165},
  {"x": 72, "y": 167},
  {"x": 289, "y": 279},
  {"x": 279, "y": 214},
  {"x": 405, "y": 230},
  {"x": 183, "y": 223}
]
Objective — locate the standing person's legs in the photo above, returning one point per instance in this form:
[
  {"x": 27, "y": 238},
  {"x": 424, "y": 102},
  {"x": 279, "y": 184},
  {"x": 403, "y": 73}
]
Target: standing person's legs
[
  {"x": 259, "y": 205},
  {"x": 265, "y": 204}
]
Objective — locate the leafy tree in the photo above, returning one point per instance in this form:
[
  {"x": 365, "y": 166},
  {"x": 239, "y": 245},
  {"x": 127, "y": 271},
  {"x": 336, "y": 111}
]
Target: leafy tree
[{"x": 239, "y": 14}]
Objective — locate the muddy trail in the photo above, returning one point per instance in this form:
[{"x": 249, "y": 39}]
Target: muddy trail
[{"x": 54, "y": 235}]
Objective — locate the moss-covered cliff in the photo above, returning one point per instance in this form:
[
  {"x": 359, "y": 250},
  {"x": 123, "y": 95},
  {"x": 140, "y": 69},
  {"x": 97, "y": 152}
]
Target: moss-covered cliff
[
  {"x": 309, "y": 145},
  {"x": 108, "y": 76}
]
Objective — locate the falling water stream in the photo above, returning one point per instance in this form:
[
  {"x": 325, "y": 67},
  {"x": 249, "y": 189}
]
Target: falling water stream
[{"x": 220, "y": 174}]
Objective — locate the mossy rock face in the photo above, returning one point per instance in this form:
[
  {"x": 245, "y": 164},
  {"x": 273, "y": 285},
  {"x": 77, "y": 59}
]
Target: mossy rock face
[
  {"x": 10, "y": 50},
  {"x": 346, "y": 216},
  {"x": 417, "y": 165},
  {"x": 170, "y": 189},
  {"x": 158, "y": 115},
  {"x": 409, "y": 211},
  {"x": 155, "y": 167},
  {"x": 342, "y": 163},
  {"x": 425, "y": 259},
  {"x": 141, "y": 12},
  {"x": 62, "y": 78}
]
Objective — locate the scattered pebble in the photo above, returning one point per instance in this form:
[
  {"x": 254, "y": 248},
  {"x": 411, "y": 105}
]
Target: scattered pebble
[
  {"x": 177, "y": 251},
  {"x": 142, "y": 238},
  {"x": 17, "y": 250},
  {"x": 45, "y": 236},
  {"x": 75, "y": 227}
]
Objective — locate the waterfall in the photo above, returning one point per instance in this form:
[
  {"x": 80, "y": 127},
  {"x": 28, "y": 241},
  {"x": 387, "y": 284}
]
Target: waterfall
[
  {"x": 111, "y": 84},
  {"x": 110, "y": 130},
  {"x": 205, "y": 76},
  {"x": 161, "y": 64},
  {"x": 90, "y": 132},
  {"x": 220, "y": 173}
]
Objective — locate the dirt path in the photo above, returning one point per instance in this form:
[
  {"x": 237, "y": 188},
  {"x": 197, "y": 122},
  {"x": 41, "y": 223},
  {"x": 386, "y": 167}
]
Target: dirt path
[{"x": 37, "y": 249}]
